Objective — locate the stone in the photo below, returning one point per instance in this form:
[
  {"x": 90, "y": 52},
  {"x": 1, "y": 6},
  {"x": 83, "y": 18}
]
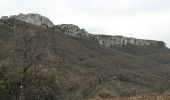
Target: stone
[
  {"x": 106, "y": 40},
  {"x": 72, "y": 30},
  {"x": 4, "y": 17},
  {"x": 35, "y": 19}
]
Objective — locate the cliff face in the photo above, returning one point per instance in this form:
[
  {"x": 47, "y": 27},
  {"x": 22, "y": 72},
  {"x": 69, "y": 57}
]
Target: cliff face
[
  {"x": 72, "y": 30},
  {"x": 112, "y": 41},
  {"x": 106, "y": 40},
  {"x": 31, "y": 18}
]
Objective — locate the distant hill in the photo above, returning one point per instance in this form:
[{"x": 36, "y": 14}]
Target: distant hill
[{"x": 67, "y": 63}]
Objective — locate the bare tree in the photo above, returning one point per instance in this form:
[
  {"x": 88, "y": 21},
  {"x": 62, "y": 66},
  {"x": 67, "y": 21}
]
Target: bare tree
[
  {"x": 28, "y": 50},
  {"x": 35, "y": 54}
]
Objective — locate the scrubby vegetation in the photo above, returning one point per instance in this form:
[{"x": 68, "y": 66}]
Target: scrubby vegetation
[{"x": 40, "y": 64}]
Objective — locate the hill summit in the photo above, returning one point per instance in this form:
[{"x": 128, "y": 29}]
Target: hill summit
[
  {"x": 73, "y": 30},
  {"x": 32, "y": 18}
]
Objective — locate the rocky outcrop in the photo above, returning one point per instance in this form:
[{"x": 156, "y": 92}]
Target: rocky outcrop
[
  {"x": 72, "y": 30},
  {"x": 35, "y": 19},
  {"x": 4, "y": 17},
  {"x": 106, "y": 40},
  {"x": 112, "y": 41}
]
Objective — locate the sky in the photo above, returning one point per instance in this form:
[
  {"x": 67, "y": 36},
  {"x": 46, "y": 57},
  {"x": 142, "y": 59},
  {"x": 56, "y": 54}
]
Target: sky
[{"x": 145, "y": 19}]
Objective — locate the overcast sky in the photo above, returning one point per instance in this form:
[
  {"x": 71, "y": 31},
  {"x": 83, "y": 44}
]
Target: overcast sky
[{"x": 147, "y": 19}]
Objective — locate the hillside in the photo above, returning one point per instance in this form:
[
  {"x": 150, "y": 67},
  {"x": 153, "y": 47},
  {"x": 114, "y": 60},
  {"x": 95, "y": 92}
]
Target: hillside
[{"x": 42, "y": 63}]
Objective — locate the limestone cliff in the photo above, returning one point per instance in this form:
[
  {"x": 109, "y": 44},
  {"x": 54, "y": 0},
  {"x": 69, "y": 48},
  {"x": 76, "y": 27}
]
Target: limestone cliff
[
  {"x": 72, "y": 30},
  {"x": 106, "y": 40},
  {"x": 112, "y": 41},
  {"x": 35, "y": 19}
]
